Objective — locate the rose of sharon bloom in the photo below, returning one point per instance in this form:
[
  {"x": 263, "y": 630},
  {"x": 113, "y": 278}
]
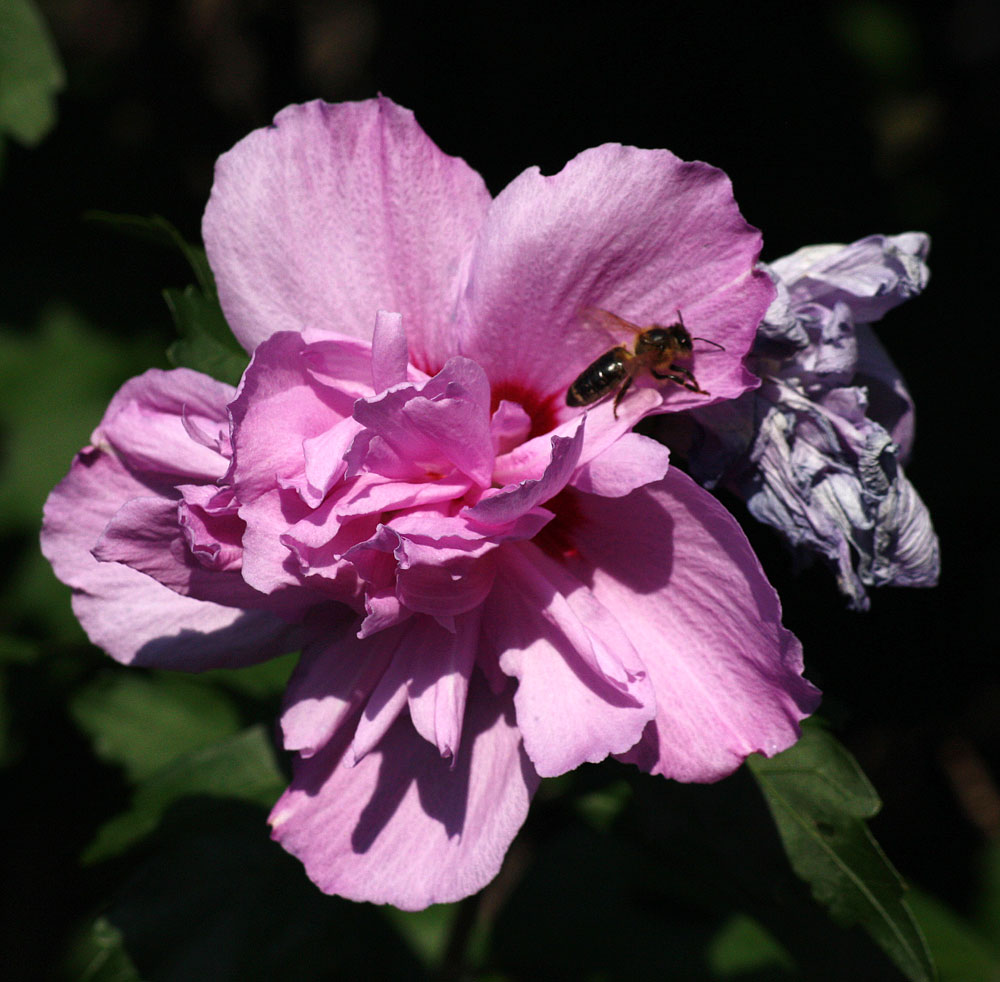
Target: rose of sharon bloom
[
  {"x": 488, "y": 586},
  {"x": 818, "y": 450}
]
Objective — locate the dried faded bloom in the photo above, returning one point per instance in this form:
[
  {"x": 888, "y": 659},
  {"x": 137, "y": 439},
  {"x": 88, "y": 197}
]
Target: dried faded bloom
[{"x": 818, "y": 450}]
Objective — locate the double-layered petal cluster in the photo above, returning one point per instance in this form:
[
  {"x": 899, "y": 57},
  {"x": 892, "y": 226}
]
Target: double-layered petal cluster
[
  {"x": 818, "y": 450},
  {"x": 487, "y": 586}
]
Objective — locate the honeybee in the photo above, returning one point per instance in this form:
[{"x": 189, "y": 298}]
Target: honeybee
[{"x": 656, "y": 347}]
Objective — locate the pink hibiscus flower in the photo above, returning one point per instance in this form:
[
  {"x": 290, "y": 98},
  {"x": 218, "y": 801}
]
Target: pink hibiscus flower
[{"x": 488, "y": 586}]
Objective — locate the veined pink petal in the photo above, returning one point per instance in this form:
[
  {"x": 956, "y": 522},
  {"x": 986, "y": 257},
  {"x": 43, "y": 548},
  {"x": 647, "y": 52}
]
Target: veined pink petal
[
  {"x": 387, "y": 699},
  {"x": 637, "y": 232},
  {"x": 135, "y": 619},
  {"x": 696, "y": 604},
  {"x": 149, "y": 419},
  {"x": 631, "y": 462},
  {"x": 335, "y": 212},
  {"x": 439, "y": 682},
  {"x": 389, "y": 352},
  {"x": 569, "y": 709},
  {"x": 331, "y": 683},
  {"x": 403, "y": 826}
]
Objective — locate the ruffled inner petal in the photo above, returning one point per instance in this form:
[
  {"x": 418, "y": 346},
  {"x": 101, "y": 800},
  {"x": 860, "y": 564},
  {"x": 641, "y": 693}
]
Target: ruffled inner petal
[
  {"x": 633, "y": 461},
  {"x": 437, "y": 427},
  {"x": 150, "y": 419},
  {"x": 208, "y": 519},
  {"x": 508, "y": 504},
  {"x": 280, "y": 407}
]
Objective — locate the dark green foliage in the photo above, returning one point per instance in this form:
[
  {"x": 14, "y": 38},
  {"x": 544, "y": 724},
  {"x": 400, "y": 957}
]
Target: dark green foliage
[{"x": 206, "y": 343}]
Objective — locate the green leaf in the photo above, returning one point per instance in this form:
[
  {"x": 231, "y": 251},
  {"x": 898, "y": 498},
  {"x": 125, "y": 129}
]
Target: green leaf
[
  {"x": 819, "y": 799},
  {"x": 143, "y": 722},
  {"x": 426, "y": 931},
  {"x": 742, "y": 946},
  {"x": 213, "y": 897},
  {"x": 241, "y": 767},
  {"x": 30, "y": 73},
  {"x": 156, "y": 228},
  {"x": 206, "y": 343},
  {"x": 261, "y": 681},
  {"x": 961, "y": 953},
  {"x": 97, "y": 954},
  {"x": 602, "y": 807},
  {"x": 987, "y": 912},
  {"x": 56, "y": 383}
]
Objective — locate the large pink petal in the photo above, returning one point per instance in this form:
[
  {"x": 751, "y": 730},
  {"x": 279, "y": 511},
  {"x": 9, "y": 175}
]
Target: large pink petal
[
  {"x": 403, "y": 826},
  {"x": 695, "y": 603},
  {"x": 335, "y": 212},
  {"x": 637, "y": 232},
  {"x": 131, "y": 616}
]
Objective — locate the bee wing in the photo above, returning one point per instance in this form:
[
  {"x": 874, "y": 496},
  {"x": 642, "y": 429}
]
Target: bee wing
[{"x": 606, "y": 321}]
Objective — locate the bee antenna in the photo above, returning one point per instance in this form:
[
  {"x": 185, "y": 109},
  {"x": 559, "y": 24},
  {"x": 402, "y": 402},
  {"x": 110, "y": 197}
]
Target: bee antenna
[{"x": 714, "y": 344}]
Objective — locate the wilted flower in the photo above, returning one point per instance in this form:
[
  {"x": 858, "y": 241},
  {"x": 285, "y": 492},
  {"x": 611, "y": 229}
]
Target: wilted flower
[
  {"x": 488, "y": 586},
  {"x": 818, "y": 450}
]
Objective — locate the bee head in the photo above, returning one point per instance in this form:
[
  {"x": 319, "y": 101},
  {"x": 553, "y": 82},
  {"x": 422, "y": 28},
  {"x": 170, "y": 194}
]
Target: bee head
[
  {"x": 664, "y": 339},
  {"x": 680, "y": 337}
]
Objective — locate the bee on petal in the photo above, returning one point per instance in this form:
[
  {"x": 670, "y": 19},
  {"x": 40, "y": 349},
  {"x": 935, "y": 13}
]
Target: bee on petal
[{"x": 656, "y": 348}]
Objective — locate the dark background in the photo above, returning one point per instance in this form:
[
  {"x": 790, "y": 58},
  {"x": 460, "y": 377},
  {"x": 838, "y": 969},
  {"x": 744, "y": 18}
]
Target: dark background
[{"x": 833, "y": 119}]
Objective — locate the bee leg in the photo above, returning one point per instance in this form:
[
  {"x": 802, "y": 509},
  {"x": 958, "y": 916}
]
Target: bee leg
[
  {"x": 683, "y": 377},
  {"x": 621, "y": 394}
]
